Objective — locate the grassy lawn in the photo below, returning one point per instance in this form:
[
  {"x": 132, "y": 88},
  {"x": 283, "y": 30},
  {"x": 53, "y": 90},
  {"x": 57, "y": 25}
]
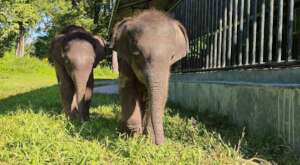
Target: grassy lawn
[{"x": 33, "y": 129}]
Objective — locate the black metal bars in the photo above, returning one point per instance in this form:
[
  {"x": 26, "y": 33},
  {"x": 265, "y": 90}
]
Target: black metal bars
[{"x": 237, "y": 34}]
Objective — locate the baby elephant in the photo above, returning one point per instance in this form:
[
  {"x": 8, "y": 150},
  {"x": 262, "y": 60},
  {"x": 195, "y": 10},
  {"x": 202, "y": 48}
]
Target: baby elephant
[
  {"x": 75, "y": 53},
  {"x": 147, "y": 45}
]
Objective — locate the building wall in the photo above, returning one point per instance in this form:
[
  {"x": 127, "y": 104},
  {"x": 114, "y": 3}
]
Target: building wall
[{"x": 266, "y": 101}]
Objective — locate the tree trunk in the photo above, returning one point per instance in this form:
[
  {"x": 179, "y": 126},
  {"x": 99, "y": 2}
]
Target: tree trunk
[
  {"x": 21, "y": 41},
  {"x": 115, "y": 66}
]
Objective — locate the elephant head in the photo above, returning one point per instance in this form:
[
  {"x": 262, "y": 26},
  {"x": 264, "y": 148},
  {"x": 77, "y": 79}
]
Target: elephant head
[
  {"x": 150, "y": 43},
  {"x": 75, "y": 53}
]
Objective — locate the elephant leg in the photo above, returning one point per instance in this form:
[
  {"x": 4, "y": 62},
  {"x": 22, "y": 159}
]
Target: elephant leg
[
  {"x": 66, "y": 89},
  {"x": 143, "y": 100},
  {"x": 131, "y": 117},
  {"x": 88, "y": 97}
]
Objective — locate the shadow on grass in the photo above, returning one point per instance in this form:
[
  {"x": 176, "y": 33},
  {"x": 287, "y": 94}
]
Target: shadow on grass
[
  {"x": 267, "y": 147},
  {"x": 45, "y": 100},
  {"x": 101, "y": 126},
  {"x": 97, "y": 128}
]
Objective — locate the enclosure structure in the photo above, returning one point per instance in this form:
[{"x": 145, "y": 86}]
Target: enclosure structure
[
  {"x": 243, "y": 62},
  {"x": 125, "y": 8},
  {"x": 239, "y": 34}
]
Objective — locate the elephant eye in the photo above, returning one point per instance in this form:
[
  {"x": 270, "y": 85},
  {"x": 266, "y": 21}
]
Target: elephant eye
[
  {"x": 136, "y": 53},
  {"x": 66, "y": 61}
]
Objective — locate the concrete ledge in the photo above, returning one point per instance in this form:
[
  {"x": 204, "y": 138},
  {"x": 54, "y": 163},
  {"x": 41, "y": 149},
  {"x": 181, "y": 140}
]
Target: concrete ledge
[
  {"x": 266, "y": 103},
  {"x": 287, "y": 75}
]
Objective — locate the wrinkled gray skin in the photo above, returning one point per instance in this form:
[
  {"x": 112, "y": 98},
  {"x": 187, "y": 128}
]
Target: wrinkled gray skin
[
  {"x": 75, "y": 53},
  {"x": 147, "y": 45}
]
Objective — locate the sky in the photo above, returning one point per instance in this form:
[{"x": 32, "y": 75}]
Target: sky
[{"x": 38, "y": 31}]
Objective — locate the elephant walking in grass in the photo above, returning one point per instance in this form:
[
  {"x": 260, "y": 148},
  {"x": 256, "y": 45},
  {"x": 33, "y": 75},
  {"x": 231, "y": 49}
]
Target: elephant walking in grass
[
  {"x": 75, "y": 52},
  {"x": 147, "y": 45}
]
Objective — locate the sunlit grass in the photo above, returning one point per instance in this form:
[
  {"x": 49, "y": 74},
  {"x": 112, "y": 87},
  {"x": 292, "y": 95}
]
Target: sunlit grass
[{"x": 33, "y": 129}]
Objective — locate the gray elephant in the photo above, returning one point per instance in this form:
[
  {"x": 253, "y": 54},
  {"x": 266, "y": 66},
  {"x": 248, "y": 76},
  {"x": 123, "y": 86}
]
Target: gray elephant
[
  {"x": 75, "y": 52},
  {"x": 147, "y": 45}
]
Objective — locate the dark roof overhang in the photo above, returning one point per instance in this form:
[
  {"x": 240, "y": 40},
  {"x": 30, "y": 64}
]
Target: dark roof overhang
[{"x": 126, "y": 8}]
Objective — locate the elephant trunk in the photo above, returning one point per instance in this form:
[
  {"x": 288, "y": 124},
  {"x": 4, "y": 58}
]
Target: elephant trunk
[
  {"x": 158, "y": 97},
  {"x": 80, "y": 82}
]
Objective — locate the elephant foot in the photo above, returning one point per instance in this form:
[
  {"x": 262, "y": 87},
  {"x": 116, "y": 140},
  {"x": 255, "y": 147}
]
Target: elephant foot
[
  {"x": 131, "y": 129},
  {"x": 149, "y": 131},
  {"x": 74, "y": 115},
  {"x": 84, "y": 117}
]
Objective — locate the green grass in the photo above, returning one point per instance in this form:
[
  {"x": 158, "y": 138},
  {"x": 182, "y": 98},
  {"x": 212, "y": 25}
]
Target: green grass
[
  {"x": 33, "y": 129},
  {"x": 104, "y": 73}
]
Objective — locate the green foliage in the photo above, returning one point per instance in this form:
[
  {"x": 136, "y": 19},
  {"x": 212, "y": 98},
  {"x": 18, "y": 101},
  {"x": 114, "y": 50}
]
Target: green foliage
[
  {"x": 54, "y": 14},
  {"x": 14, "y": 14},
  {"x": 25, "y": 13},
  {"x": 63, "y": 13},
  {"x": 34, "y": 129},
  {"x": 40, "y": 47}
]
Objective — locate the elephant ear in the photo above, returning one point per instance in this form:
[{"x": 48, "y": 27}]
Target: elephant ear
[
  {"x": 99, "y": 47},
  {"x": 55, "y": 49},
  {"x": 181, "y": 50},
  {"x": 118, "y": 28}
]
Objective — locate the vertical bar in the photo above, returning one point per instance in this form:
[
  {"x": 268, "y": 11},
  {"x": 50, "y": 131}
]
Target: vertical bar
[
  {"x": 197, "y": 19},
  {"x": 188, "y": 13},
  {"x": 206, "y": 35},
  {"x": 209, "y": 33},
  {"x": 229, "y": 34},
  {"x": 201, "y": 42},
  {"x": 195, "y": 33},
  {"x": 220, "y": 32},
  {"x": 262, "y": 31},
  {"x": 192, "y": 59},
  {"x": 247, "y": 44},
  {"x": 279, "y": 30},
  {"x": 188, "y": 16},
  {"x": 254, "y": 32},
  {"x": 224, "y": 34},
  {"x": 215, "y": 32},
  {"x": 290, "y": 29},
  {"x": 234, "y": 54},
  {"x": 271, "y": 22},
  {"x": 198, "y": 30},
  {"x": 241, "y": 31},
  {"x": 184, "y": 16}
]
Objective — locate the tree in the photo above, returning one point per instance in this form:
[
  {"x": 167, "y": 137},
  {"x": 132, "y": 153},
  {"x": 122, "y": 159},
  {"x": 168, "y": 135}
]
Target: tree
[
  {"x": 16, "y": 17},
  {"x": 19, "y": 17},
  {"x": 114, "y": 62},
  {"x": 26, "y": 16}
]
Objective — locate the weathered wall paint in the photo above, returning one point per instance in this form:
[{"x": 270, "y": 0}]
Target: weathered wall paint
[{"x": 265, "y": 108}]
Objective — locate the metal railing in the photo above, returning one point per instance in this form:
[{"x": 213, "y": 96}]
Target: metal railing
[{"x": 238, "y": 34}]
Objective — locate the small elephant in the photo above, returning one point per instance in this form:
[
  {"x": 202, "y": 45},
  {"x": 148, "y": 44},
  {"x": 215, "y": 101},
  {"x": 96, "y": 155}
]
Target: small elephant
[
  {"x": 147, "y": 45},
  {"x": 75, "y": 52}
]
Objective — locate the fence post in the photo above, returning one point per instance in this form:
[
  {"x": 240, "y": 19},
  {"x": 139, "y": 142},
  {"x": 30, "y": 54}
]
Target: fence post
[
  {"x": 279, "y": 30},
  {"x": 241, "y": 32},
  {"x": 262, "y": 31},
  {"x": 290, "y": 29}
]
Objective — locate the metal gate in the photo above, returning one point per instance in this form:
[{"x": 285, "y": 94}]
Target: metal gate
[{"x": 239, "y": 34}]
